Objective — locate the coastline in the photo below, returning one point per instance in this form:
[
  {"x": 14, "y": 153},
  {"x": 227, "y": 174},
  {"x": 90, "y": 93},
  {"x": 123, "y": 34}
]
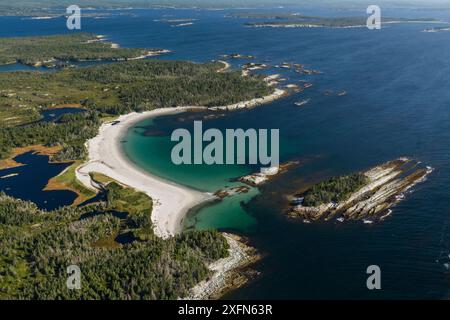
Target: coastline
[
  {"x": 228, "y": 273},
  {"x": 171, "y": 201},
  {"x": 226, "y": 66},
  {"x": 277, "y": 94}
]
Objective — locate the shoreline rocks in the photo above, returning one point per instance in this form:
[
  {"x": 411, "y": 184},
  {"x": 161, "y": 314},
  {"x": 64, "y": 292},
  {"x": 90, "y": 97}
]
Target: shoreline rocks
[
  {"x": 266, "y": 174},
  {"x": 229, "y": 273},
  {"x": 386, "y": 186}
]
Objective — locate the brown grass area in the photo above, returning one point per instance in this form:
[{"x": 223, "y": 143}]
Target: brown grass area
[
  {"x": 37, "y": 149},
  {"x": 67, "y": 181},
  {"x": 9, "y": 163},
  {"x": 54, "y": 185}
]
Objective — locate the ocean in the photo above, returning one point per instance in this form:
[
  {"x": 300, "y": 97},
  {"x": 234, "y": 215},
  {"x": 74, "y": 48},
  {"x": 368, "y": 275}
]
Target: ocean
[{"x": 397, "y": 104}]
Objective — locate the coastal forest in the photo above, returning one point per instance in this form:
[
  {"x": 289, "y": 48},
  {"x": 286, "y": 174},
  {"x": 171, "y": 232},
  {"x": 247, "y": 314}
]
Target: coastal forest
[
  {"x": 335, "y": 189},
  {"x": 46, "y": 50},
  {"x": 108, "y": 90},
  {"x": 111, "y": 240},
  {"x": 115, "y": 258}
]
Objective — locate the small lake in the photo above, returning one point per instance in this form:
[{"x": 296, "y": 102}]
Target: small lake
[
  {"x": 28, "y": 181},
  {"x": 53, "y": 115}
]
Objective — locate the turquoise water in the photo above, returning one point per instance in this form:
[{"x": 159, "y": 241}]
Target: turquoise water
[
  {"x": 153, "y": 154},
  {"x": 397, "y": 104}
]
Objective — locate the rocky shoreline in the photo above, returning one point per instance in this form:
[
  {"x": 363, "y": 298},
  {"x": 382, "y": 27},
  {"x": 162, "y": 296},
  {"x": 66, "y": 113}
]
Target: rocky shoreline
[
  {"x": 229, "y": 273},
  {"x": 266, "y": 174},
  {"x": 386, "y": 186}
]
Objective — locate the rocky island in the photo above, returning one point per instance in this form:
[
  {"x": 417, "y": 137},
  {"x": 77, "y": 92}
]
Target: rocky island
[{"x": 364, "y": 196}]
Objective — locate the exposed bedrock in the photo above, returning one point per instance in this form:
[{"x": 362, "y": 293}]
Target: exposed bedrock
[{"x": 386, "y": 186}]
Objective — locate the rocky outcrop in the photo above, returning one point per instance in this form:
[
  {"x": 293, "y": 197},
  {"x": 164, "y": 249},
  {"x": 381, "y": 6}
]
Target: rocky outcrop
[
  {"x": 227, "y": 192},
  {"x": 228, "y": 273},
  {"x": 386, "y": 187},
  {"x": 258, "y": 178}
]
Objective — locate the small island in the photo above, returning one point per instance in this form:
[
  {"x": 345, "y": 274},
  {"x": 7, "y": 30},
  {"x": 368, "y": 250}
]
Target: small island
[
  {"x": 364, "y": 196},
  {"x": 296, "y": 20},
  {"x": 437, "y": 29}
]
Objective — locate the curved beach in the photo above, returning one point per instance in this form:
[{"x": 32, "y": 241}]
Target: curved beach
[{"x": 171, "y": 201}]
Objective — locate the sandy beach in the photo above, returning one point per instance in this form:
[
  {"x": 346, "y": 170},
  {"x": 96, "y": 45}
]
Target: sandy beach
[
  {"x": 226, "y": 66},
  {"x": 171, "y": 201}
]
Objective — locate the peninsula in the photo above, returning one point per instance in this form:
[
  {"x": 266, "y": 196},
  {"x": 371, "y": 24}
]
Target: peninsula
[{"x": 51, "y": 51}]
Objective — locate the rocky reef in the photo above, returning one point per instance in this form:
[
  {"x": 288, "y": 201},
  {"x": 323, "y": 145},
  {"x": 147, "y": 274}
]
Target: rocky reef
[{"x": 385, "y": 185}]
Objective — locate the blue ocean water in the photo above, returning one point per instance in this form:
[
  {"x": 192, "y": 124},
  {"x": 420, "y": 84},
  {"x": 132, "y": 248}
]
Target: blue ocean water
[{"x": 397, "y": 104}]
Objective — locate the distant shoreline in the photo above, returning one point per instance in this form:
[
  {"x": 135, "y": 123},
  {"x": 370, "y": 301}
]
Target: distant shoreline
[{"x": 307, "y": 25}]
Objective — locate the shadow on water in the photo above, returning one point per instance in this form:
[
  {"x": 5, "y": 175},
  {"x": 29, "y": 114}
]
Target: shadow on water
[{"x": 28, "y": 181}]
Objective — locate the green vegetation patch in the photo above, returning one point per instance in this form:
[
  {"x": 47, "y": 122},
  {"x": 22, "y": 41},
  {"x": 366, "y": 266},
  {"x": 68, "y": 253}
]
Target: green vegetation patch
[
  {"x": 108, "y": 90},
  {"x": 37, "y": 246},
  {"x": 67, "y": 180},
  {"x": 123, "y": 87},
  {"x": 335, "y": 189},
  {"x": 71, "y": 132},
  {"x": 138, "y": 205},
  {"x": 46, "y": 50}
]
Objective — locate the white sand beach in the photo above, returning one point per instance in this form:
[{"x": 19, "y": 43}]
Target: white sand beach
[
  {"x": 226, "y": 66},
  {"x": 171, "y": 201}
]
